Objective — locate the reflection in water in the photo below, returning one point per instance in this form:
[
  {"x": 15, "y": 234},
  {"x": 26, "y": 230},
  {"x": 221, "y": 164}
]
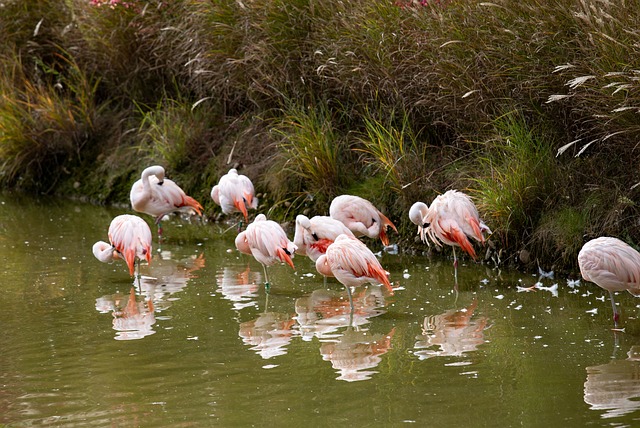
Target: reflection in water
[
  {"x": 355, "y": 352},
  {"x": 239, "y": 286},
  {"x": 167, "y": 277},
  {"x": 269, "y": 334},
  {"x": 451, "y": 334},
  {"x": 134, "y": 320},
  {"x": 615, "y": 386},
  {"x": 323, "y": 312}
]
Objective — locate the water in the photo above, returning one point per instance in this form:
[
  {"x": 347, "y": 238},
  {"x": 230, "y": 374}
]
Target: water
[{"x": 199, "y": 343}]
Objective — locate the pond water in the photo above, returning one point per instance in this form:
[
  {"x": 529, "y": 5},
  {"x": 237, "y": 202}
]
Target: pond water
[{"x": 197, "y": 342}]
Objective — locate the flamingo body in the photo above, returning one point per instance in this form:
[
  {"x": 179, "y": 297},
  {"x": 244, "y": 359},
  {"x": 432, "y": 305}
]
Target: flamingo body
[
  {"x": 158, "y": 196},
  {"x": 452, "y": 219},
  {"x": 266, "y": 241},
  {"x": 234, "y": 193},
  {"x": 361, "y": 217},
  {"x": 129, "y": 238},
  {"x": 613, "y": 265},
  {"x": 314, "y": 235},
  {"x": 352, "y": 263}
]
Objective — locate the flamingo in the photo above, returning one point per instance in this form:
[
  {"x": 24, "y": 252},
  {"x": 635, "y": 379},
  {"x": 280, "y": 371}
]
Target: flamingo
[
  {"x": 267, "y": 242},
  {"x": 314, "y": 235},
  {"x": 158, "y": 196},
  {"x": 361, "y": 217},
  {"x": 353, "y": 264},
  {"x": 613, "y": 265},
  {"x": 234, "y": 192},
  {"x": 129, "y": 238},
  {"x": 451, "y": 219}
]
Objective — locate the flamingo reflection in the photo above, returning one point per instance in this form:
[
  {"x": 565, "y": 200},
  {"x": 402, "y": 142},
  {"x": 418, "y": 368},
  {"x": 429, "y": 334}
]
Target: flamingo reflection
[
  {"x": 239, "y": 286},
  {"x": 614, "y": 387},
  {"x": 451, "y": 333},
  {"x": 269, "y": 334},
  {"x": 323, "y": 312},
  {"x": 356, "y": 352},
  {"x": 132, "y": 318},
  {"x": 168, "y": 276},
  {"x": 133, "y": 315}
]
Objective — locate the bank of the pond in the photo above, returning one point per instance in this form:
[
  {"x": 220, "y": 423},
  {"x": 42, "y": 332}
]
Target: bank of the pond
[{"x": 530, "y": 107}]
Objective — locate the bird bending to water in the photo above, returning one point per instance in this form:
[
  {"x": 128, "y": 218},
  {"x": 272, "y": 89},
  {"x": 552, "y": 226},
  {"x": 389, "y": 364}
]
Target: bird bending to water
[
  {"x": 158, "y": 196},
  {"x": 613, "y": 265},
  {"x": 314, "y": 235},
  {"x": 353, "y": 264},
  {"x": 267, "y": 242},
  {"x": 451, "y": 219},
  {"x": 234, "y": 192},
  {"x": 129, "y": 239},
  {"x": 361, "y": 217}
]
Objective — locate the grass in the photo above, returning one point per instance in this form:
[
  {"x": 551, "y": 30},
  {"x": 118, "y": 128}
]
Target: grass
[
  {"x": 395, "y": 101},
  {"x": 515, "y": 178}
]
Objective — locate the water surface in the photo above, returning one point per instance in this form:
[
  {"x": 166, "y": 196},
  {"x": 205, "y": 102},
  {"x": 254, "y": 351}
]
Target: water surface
[{"x": 198, "y": 342}]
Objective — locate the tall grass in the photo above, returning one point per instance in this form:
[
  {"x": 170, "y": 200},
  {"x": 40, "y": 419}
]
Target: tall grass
[
  {"x": 413, "y": 88},
  {"x": 43, "y": 125},
  {"x": 515, "y": 178},
  {"x": 312, "y": 153},
  {"x": 390, "y": 149}
]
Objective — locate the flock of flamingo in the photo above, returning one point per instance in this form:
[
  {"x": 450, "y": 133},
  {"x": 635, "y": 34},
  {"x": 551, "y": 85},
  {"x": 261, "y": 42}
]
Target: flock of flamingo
[{"x": 332, "y": 242}]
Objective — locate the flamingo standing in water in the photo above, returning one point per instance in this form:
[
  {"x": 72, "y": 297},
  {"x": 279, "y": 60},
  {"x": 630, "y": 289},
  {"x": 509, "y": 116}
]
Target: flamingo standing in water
[
  {"x": 234, "y": 192},
  {"x": 158, "y": 196},
  {"x": 451, "y": 219},
  {"x": 353, "y": 264},
  {"x": 361, "y": 217},
  {"x": 267, "y": 242},
  {"x": 314, "y": 235},
  {"x": 129, "y": 239},
  {"x": 613, "y": 265}
]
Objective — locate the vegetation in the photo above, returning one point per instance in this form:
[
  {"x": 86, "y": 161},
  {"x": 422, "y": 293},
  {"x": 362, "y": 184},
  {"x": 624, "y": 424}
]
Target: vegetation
[{"x": 530, "y": 106}]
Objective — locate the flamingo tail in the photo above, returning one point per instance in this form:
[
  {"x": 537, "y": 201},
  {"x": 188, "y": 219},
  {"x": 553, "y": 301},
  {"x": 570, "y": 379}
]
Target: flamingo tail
[
  {"x": 284, "y": 256},
  {"x": 239, "y": 204},
  {"x": 456, "y": 235},
  {"x": 130, "y": 258},
  {"x": 381, "y": 275},
  {"x": 191, "y": 202},
  {"x": 475, "y": 225}
]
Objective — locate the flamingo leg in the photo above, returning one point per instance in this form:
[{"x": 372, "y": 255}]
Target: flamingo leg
[
  {"x": 350, "y": 302},
  {"x": 616, "y": 313},
  {"x": 267, "y": 285}
]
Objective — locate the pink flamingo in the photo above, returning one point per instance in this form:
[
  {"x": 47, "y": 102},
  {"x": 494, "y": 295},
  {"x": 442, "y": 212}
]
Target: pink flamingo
[
  {"x": 451, "y": 219},
  {"x": 234, "y": 192},
  {"x": 129, "y": 238},
  {"x": 158, "y": 196},
  {"x": 613, "y": 265},
  {"x": 361, "y": 217},
  {"x": 267, "y": 242},
  {"x": 314, "y": 235},
  {"x": 353, "y": 264}
]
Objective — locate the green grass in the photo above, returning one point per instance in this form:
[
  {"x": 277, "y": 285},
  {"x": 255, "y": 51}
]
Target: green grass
[{"x": 319, "y": 98}]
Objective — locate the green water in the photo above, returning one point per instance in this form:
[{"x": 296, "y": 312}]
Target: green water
[{"x": 81, "y": 347}]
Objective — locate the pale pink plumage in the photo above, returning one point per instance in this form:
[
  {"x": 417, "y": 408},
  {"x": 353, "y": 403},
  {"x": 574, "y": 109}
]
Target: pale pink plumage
[
  {"x": 314, "y": 235},
  {"x": 451, "y": 219},
  {"x": 157, "y": 196},
  {"x": 611, "y": 264},
  {"x": 352, "y": 263},
  {"x": 234, "y": 192},
  {"x": 361, "y": 217},
  {"x": 129, "y": 238},
  {"x": 267, "y": 242}
]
